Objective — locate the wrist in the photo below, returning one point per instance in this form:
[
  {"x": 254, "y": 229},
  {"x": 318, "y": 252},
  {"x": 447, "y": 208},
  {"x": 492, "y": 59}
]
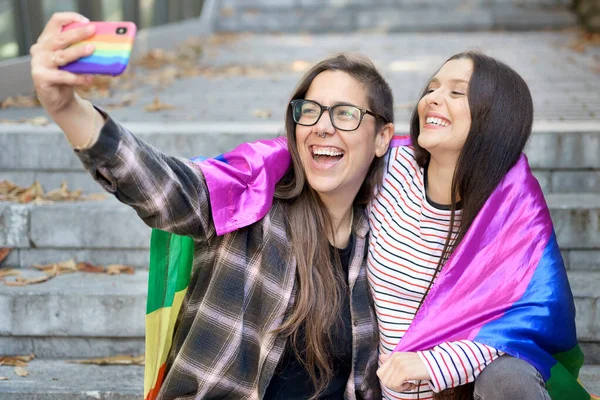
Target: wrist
[{"x": 81, "y": 123}]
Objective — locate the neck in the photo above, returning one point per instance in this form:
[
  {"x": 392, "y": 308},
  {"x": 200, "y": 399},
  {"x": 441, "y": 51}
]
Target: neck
[
  {"x": 341, "y": 216},
  {"x": 440, "y": 173}
]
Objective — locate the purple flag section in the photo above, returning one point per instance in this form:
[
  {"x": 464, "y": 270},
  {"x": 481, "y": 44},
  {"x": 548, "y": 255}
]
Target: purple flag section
[
  {"x": 490, "y": 269},
  {"x": 241, "y": 182}
]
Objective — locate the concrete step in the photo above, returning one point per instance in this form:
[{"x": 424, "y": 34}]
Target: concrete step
[
  {"x": 75, "y": 315},
  {"x": 386, "y": 16},
  {"x": 91, "y": 315},
  {"x": 564, "y": 156},
  {"x": 59, "y": 380},
  {"x": 106, "y": 232},
  {"x": 590, "y": 377}
]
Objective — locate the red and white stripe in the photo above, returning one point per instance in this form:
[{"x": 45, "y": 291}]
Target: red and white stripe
[{"x": 407, "y": 237}]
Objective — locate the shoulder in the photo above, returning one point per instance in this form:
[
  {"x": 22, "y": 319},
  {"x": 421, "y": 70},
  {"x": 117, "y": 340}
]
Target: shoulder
[
  {"x": 402, "y": 158},
  {"x": 404, "y": 155}
]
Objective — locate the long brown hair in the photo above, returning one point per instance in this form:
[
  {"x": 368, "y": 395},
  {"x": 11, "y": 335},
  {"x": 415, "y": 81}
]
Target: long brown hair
[
  {"x": 317, "y": 305},
  {"x": 501, "y": 120}
]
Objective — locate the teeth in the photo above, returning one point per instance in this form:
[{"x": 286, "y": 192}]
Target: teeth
[
  {"x": 327, "y": 152},
  {"x": 436, "y": 121}
]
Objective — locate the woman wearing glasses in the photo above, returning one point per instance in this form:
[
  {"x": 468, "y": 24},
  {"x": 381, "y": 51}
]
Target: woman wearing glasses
[
  {"x": 279, "y": 309},
  {"x": 458, "y": 206}
]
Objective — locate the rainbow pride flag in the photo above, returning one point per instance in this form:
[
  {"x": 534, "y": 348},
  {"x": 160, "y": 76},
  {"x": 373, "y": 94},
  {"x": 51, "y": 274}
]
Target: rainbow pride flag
[
  {"x": 171, "y": 256},
  {"x": 505, "y": 285}
]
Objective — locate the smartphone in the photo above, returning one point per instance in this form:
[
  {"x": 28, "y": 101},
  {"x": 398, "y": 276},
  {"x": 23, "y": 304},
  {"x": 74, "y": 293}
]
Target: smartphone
[{"x": 113, "y": 41}]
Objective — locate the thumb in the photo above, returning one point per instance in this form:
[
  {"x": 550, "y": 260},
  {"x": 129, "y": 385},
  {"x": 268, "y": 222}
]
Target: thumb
[{"x": 384, "y": 357}]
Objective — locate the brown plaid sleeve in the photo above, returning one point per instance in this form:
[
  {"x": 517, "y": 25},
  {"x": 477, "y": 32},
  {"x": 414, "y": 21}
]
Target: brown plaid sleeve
[{"x": 168, "y": 193}]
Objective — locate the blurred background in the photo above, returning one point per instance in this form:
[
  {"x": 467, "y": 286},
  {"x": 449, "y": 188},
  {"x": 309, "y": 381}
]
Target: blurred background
[{"x": 21, "y": 21}]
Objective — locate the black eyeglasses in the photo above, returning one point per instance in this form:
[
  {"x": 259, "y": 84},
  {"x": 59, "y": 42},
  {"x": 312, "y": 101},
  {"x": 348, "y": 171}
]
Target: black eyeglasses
[{"x": 345, "y": 117}]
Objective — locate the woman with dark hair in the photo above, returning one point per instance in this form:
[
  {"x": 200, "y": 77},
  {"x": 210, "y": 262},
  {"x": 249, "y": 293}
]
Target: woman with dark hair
[
  {"x": 468, "y": 130},
  {"x": 279, "y": 309},
  {"x": 470, "y": 290}
]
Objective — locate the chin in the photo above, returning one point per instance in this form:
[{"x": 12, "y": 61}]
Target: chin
[
  {"x": 426, "y": 141},
  {"x": 323, "y": 187}
]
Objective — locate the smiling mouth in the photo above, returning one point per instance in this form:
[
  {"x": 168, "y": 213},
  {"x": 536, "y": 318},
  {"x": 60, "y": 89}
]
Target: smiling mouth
[
  {"x": 441, "y": 122},
  {"x": 326, "y": 154}
]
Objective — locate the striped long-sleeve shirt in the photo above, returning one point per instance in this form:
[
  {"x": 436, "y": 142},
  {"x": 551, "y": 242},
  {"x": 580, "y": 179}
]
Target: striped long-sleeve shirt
[{"x": 408, "y": 232}]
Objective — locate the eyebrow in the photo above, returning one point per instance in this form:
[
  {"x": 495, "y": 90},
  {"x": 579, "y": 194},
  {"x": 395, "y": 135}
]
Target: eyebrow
[{"x": 435, "y": 80}]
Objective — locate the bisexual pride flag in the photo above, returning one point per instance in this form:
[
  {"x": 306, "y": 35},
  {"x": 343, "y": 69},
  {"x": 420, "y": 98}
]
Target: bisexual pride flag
[{"x": 505, "y": 285}]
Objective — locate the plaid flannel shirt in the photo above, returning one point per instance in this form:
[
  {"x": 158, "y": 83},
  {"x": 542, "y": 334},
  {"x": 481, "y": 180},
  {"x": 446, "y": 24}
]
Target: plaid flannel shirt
[{"x": 242, "y": 285}]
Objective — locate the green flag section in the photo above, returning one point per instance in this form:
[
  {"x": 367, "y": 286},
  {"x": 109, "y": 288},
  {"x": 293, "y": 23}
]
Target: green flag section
[{"x": 171, "y": 259}]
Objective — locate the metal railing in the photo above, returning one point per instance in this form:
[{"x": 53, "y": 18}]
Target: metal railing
[{"x": 28, "y": 17}]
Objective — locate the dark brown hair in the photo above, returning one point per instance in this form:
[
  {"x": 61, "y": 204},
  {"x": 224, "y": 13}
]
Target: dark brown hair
[
  {"x": 320, "y": 287},
  {"x": 501, "y": 120}
]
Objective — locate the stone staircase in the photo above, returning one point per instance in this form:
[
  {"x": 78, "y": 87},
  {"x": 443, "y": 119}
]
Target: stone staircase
[
  {"x": 90, "y": 315},
  {"x": 85, "y": 315},
  {"x": 319, "y": 16}
]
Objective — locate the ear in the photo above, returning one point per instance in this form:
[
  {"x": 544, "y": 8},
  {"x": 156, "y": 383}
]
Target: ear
[{"x": 383, "y": 138}]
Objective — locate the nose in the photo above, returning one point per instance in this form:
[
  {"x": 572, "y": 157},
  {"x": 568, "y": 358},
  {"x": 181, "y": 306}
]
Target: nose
[
  {"x": 324, "y": 125},
  {"x": 433, "y": 98}
]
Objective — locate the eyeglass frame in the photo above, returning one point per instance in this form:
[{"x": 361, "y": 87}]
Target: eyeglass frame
[{"x": 363, "y": 111}]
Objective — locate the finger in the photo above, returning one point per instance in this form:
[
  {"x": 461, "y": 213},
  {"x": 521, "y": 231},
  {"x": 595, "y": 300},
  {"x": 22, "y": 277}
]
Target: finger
[
  {"x": 60, "y": 19},
  {"x": 71, "y": 37},
  {"x": 50, "y": 33},
  {"x": 384, "y": 357},
  {"x": 60, "y": 58},
  {"x": 382, "y": 371},
  {"x": 49, "y": 77}
]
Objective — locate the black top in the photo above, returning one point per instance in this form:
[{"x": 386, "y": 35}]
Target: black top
[{"x": 291, "y": 380}]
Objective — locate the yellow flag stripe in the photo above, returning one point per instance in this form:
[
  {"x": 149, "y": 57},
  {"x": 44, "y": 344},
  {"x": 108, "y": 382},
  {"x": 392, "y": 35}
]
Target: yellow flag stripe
[{"x": 160, "y": 325}]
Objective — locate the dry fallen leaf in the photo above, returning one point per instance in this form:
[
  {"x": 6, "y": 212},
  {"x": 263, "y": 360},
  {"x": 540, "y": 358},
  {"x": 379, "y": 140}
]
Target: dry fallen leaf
[
  {"x": 116, "y": 269},
  {"x": 21, "y": 371},
  {"x": 156, "y": 105},
  {"x": 114, "y": 360},
  {"x": 20, "y": 102},
  {"x": 37, "y": 121},
  {"x": 9, "y": 272},
  {"x": 88, "y": 267},
  {"x": 60, "y": 268},
  {"x": 583, "y": 41},
  {"x": 127, "y": 100},
  {"x": 94, "y": 196},
  {"x": 16, "y": 361},
  {"x": 11, "y": 192},
  {"x": 19, "y": 281},
  {"x": 262, "y": 113},
  {"x": 4, "y": 253}
]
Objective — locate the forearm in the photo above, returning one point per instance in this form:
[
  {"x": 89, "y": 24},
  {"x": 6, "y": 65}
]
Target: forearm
[
  {"x": 453, "y": 364},
  {"x": 168, "y": 193},
  {"x": 80, "y": 122}
]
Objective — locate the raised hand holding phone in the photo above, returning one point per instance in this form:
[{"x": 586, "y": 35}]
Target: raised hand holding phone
[
  {"x": 55, "y": 87},
  {"x": 112, "y": 41}
]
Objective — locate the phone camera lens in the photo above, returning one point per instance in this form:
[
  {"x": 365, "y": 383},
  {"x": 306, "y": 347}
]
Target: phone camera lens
[{"x": 121, "y": 30}]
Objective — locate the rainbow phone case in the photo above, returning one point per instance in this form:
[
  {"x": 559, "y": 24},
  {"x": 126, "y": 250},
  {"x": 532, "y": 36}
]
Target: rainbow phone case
[{"x": 113, "y": 41}]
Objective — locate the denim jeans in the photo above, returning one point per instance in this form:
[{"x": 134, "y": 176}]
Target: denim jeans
[{"x": 510, "y": 378}]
